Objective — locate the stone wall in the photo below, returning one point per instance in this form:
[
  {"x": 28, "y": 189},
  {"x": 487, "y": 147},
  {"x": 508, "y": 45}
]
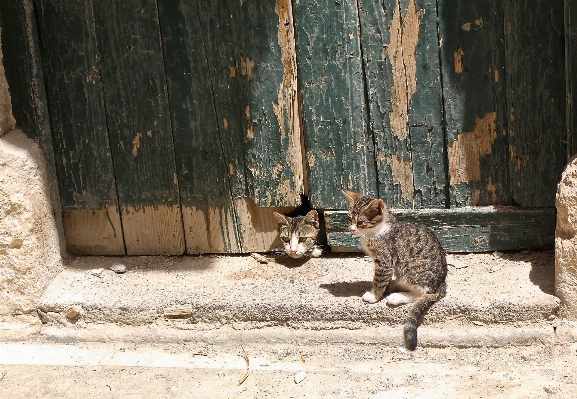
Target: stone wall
[
  {"x": 566, "y": 242},
  {"x": 29, "y": 243}
]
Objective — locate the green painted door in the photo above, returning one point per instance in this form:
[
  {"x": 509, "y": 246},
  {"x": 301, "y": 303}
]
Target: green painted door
[{"x": 177, "y": 126}]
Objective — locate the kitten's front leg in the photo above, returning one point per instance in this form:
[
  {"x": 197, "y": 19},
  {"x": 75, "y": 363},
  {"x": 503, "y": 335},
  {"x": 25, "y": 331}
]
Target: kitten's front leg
[{"x": 381, "y": 280}]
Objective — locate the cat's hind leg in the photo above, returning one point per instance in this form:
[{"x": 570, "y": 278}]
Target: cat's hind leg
[{"x": 401, "y": 298}]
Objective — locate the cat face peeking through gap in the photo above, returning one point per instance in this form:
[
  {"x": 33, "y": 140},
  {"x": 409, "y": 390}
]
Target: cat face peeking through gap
[{"x": 299, "y": 234}]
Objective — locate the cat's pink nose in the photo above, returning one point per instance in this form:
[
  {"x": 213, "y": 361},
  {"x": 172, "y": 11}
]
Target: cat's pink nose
[{"x": 352, "y": 229}]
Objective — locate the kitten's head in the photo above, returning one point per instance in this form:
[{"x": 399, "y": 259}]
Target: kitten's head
[
  {"x": 367, "y": 216},
  {"x": 298, "y": 234}
]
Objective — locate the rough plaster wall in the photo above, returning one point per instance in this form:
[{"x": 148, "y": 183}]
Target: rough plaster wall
[
  {"x": 29, "y": 247},
  {"x": 566, "y": 242}
]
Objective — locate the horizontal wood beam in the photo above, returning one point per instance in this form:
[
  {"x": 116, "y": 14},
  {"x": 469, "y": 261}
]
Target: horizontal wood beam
[{"x": 469, "y": 229}]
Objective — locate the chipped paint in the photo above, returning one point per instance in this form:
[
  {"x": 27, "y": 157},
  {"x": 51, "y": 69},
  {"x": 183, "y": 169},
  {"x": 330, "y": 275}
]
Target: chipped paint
[
  {"x": 246, "y": 66},
  {"x": 496, "y": 76},
  {"x": 149, "y": 133},
  {"x": 253, "y": 169},
  {"x": 458, "y": 55},
  {"x": 404, "y": 34},
  {"x": 231, "y": 169},
  {"x": 136, "y": 144},
  {"x": 479, "y": 22},
  {"x": 466, "y": 26},
  {"x": 287, "y": 107},
  {"x": 310, "y": 159},
  {"x": 277, "y": 169},
  {"x": 225, "y": 123},
  {"x": 402, "y": 171},
  {"x": 232, "y": 72},
  {"x": 465, "y": 153},
  {"x": 250, "y": 131}
]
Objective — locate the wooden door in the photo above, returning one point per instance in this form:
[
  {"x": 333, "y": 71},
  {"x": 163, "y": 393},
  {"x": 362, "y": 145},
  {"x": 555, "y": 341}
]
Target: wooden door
[{"x": 178, "y": 126}]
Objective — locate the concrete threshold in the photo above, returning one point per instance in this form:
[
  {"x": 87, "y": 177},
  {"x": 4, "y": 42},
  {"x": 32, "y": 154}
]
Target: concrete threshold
[{"x": 493, "y": 299}]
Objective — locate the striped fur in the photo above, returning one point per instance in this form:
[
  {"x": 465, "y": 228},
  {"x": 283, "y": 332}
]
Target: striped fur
[{"x": 410, "y": 264}]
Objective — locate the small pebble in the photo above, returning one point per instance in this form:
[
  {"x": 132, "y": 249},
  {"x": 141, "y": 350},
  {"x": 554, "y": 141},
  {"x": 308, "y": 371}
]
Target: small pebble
[
  {"x": 96, "y": 272},
  {"x": 221, "y": 374},
  {"x": 72, "y": 311},
  {"x": 301, "y": 375},
  {"x": 118, "y": 268}
]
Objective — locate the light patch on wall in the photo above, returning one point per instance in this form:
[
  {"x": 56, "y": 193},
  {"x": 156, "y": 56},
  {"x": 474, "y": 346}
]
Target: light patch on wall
[
  {"x": 402, "y": 171},
  {"x": 136, "y": 144},
  {"x": 465, "y": 153},
  {"x": 404, "y": 34},
  {"x": 458, "y": 55}
]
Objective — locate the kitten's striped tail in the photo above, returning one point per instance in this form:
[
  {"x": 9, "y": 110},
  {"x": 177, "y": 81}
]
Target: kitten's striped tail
[{"x": 419, "y": 307}]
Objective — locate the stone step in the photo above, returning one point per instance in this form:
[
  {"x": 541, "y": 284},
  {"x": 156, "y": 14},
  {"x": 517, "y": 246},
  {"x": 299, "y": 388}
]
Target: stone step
[{"x": 497, "y": 289}]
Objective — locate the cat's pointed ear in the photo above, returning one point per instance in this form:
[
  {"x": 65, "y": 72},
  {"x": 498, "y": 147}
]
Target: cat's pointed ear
[
  {"x": 378, "y": 206},
  {"x": 352, "y": 196},
  {"x": 281, "y": 220},
  {"x": 312, "y": 218}
]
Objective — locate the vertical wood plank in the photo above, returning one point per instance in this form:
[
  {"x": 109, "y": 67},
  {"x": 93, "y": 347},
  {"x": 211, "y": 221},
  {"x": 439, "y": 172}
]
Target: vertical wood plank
[
  {"x": 473, "y": 60},
  {"x": 273, "y": 131},
  {"x": 400, "y": 49},
  {"x": 426, "y": 107},
  {"x": 571, "y": 75},
  {"x": 207, "y": 206},
  {"x": 339, "y": 146},
  {"x": 78, "y": 121},
  {"x": 135, "y": 97},
  {"x": 535, "y": 66}
]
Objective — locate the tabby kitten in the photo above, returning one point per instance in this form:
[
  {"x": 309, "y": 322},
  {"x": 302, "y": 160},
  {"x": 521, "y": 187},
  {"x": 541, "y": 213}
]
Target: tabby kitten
[
  {"x": 299, "y": 234},
  {"x": 410, "y": 264}
]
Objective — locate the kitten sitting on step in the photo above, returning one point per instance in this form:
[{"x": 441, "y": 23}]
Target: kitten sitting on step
[
  {"x": 299, "y": 234},
  {"x": 410, "y": 264}
]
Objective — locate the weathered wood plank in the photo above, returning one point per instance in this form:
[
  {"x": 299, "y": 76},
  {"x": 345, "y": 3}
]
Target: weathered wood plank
[
  {"x": 338, "y": 142},
  {"x": 473, "y": 65},
  {"x": 208, "y": 210},
  {"x": 468, "y": 229},
  {"x": 271, "y": 112},
  {"x": 78, "y": 124},
  {"x": 536, "y": 99},
  {"x": 135, "y": 97},
  {"x": 401, "y": 63},
  {"x": 386, "y": 86},
  {"x": 425, "y": 106},
  {"x": 571, "y": 75}
]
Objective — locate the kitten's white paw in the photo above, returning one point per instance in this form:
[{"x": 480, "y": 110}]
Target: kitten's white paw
[
  {"x": 369, "y": 297},
  {"x": 316, "y": 252},
  {"x": 398, "y": 298}
]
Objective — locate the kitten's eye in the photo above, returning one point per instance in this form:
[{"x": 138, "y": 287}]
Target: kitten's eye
[
  {"x": 285, "y": 239},
  {"x": 303, "y": 239},
  {"x": 361, "y": 223}
]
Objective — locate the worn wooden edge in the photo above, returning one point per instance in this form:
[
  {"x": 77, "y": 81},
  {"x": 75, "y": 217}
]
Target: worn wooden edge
[
  {"x": 93, "y": 232},
  {"x": 258, "y": 226},
  {"x": 209, "y": 231},
  {"x": 153, "y": 230},
  {"x": 470, "y": 229}
]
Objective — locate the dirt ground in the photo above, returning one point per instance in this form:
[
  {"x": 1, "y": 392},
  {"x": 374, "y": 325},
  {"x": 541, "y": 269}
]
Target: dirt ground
[{"x": 189, "y": 370}]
